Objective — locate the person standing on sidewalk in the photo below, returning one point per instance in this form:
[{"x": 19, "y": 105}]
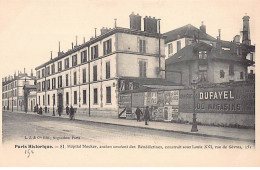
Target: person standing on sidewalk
[
  {"x": 146, "y": 115},
  {"x": 59, "y": 110},
  {"x": 72, "y": 113},
  {"x": 138, "y": 113},
  {"x": 67, "y": 110},
  {"x": 40, "y": 111}
]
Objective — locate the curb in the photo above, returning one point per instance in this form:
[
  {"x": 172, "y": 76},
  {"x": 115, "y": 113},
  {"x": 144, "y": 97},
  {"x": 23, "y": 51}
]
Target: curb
[{"x": 150, "y": 128}]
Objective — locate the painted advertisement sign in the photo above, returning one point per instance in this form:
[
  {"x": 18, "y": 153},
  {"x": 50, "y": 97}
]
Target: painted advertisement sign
[
  {"x": 160, "y": 98},
  {"x": 137, "y": 99},
  {"x": 147, "y": 98},
  {"x": 125, "y": 100},
  {"x": 171, "y": 98},
  {"x": 153, "y": 98},
  {"x": 240, "y": 99}
]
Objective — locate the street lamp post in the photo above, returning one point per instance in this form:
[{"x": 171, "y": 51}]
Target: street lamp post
[{"x": 194, "y": 122}]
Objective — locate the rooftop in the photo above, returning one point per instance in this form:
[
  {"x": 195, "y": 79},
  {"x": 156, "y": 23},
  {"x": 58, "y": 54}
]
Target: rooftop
[
  {"x": 187, "y": 54},
  {"x": 100, "y": 37},
  {"x": 21, "y": 75},
  {"x": 187, "y": 31}
]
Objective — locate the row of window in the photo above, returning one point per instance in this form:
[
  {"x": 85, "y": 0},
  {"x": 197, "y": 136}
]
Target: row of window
[
  {"x": 12, "y": 93},
  {"x": 9, "y": 86},
  {"x": 41, "y": 86},
  {"x": 75, "y": 97},
  {"x": 222, "y": 74},
  {"x": 203, "y": 77},
  {"x": 107, "y": 49},
  {"x": 170, "y": 47},
  {"x": 5, "y": 103}
]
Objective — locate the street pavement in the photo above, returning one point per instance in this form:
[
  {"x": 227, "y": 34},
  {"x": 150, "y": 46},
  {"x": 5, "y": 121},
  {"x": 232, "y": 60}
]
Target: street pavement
[{"x": 21, "y": 126}]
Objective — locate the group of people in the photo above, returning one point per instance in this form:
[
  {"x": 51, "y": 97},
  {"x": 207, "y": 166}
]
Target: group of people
[
  {"x": 71, "y": 112},
  {"x": 139, "y": 112}
]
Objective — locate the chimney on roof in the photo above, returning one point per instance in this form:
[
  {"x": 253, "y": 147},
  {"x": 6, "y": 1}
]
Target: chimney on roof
[
  {"x": 24, "y": 70},
  {"x": 103, "y": 30},
  {"x": 236, "y": 39},
  {"x": 219, "y": 34},
  {"x": 72, "y": 46},
  {"x": 31, "y": 72},
  {"x": 150, "y": 24},
  {"x": 76, "y": 41},
  {"x": 60, "y": 52},
  {"x": 51, "y": 55},
  {"x": 115, "y": 22},
  {"x": 59, "y": 46},
  {"x": 246, "y": 31},
  {"x": 95, "y": 32},
  {"x": 135, "y": 21},
  {"x": 84, "y": 40},
  {"x": 203, "y": 27}
]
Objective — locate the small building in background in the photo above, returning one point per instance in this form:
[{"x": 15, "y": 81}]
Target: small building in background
[
  {"x": 13, "y": 93},
  {"x": 207, "y": 64},
  {"x": 192, "y": 54}
]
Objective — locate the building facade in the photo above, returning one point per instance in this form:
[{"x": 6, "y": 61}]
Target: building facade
[
  {"x": 13, "y": 93},
  {"x": 206, "y": 64},
  {"x": 86, "y": 77},
  {"x": 192, "y": 54}
]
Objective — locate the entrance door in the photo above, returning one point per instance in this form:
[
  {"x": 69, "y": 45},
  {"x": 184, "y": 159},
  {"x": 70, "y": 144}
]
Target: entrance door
[
  {"x": 31, "y": 105},
  {"x": 60, "y": 101}
]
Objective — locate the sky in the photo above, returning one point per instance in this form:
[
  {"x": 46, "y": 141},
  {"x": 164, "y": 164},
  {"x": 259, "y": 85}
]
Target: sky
[{"x": 30, "y": 29}]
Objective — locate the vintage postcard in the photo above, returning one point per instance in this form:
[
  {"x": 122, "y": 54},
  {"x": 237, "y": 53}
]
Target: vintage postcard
[{"x": 140, "y": 83}]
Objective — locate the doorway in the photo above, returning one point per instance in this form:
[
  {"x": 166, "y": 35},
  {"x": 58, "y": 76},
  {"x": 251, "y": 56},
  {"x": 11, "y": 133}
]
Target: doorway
[{"x": 60, "y": 101}]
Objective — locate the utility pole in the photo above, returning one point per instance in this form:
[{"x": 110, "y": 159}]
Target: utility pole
[
  {"x": 159, "y": 25},
  {"x": 89, "y": 81}
]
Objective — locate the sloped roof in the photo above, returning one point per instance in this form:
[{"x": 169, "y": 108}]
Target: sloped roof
[
  {"x": 186, "y": 54},
  {"x": 187, "y": 31}
]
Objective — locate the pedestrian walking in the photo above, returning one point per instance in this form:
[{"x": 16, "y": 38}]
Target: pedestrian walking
[
  {"x": 59, "y": 110},
  {"x": 146, "y": 115},
  {"x": 67, "y": 110},
  {"x": 138, "y": 113},
  {"x": 40, "y": 111},
  {"x": 37, "y": 108},
  {"x": 72, "y": 116}
]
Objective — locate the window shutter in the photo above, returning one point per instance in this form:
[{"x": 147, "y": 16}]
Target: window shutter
[
  {"x": 91, "y": 53},
  {"x": 138, "y": 45},
  {"x": 110, "y": 45},
  {"x": 140, "y": 68},
  {"x": 144, "y": 46},
  {"x": 104, "y": 48},
  {"x": 144, "y": 73},
  {"x": 96, "y": 53}
]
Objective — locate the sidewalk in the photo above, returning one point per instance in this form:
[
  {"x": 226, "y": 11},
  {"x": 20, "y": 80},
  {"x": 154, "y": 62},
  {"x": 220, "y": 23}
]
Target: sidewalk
[{"x": 206, "y": 131}]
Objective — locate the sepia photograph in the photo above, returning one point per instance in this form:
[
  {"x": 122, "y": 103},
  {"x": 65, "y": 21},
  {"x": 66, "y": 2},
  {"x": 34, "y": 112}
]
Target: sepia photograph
[{"x": 110, "y": 83}]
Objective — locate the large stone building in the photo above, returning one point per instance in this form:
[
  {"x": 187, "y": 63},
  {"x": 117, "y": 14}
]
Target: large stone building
[
  {"x": 13, "y": 93},
  {"x": 87, "y": 76},
  {"x": 192, "y": 54}
]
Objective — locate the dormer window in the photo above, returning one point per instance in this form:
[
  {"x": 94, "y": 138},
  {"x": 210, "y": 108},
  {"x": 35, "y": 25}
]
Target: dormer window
[{"x": 203, "y": 55}]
